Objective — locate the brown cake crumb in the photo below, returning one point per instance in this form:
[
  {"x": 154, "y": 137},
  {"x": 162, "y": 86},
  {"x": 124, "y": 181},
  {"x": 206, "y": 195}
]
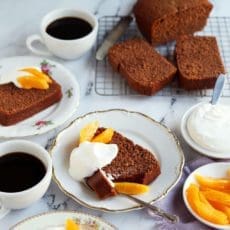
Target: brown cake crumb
[
  {"x": 133, "y": 163},
  {"x": 161, "y": 21},
  {"x": 199, "y": 62},
  {"x": 145, "y": 70},
  {"x": 17, "y": 104},
  {"x": 101, "y": 185}
]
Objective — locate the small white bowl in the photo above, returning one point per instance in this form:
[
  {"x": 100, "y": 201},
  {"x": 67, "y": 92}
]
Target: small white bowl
[
  {"x": 217, "y": 170},
  {"x": 192, "y": 143}
]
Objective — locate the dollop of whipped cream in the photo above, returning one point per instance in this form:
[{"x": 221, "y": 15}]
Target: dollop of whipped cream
[
  {"x": 209, "y": 126},
  {"x": 88, "y": 157}
]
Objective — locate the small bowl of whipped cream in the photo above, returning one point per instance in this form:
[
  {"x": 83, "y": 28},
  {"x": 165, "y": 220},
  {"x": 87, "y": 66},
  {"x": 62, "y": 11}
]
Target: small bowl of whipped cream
[{"x": 206, "y": 128}]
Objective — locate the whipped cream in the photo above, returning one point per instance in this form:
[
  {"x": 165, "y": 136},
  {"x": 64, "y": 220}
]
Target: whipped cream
[
  {"x": 209, "y": 126},
  {"x": 89, "y": 157}
]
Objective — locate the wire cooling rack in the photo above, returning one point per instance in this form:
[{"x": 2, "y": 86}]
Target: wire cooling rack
[{"x": 110, "y": 83}]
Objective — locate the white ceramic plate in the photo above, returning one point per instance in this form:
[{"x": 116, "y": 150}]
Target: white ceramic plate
[
  {"x": 216, "y": 170},
  {"x": 143, "y": 131},
  {"x": 193, "y": 144},
  {"x": 53, "y": 116},
  {"x": 54, "y": 219}
]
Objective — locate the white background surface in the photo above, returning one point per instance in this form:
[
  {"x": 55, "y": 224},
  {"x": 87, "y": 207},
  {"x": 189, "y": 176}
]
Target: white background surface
[{"x": 19, "y": 19}]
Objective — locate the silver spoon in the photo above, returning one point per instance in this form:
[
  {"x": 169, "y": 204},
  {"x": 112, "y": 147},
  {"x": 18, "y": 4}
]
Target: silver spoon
[
  {"x": 172, "y": 218},
  {"x": 218, "y": 89}
]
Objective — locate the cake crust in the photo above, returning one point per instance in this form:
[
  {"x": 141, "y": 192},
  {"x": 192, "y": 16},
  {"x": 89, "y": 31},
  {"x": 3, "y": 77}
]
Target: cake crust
[
  {"x": 145, "y": 70},
  {"x": 17, "y": 104},
  {"x": 133, "y": 163},
  {"x": 199, "y": 62},
  {"x": 161, "y": 21}
]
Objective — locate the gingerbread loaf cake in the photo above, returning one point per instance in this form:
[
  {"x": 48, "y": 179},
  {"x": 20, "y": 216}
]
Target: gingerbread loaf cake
[
  {"x": 133, "y": 163},
  {"x": 145, "y": 70},
  {"x": 161, "y": 21},
  {"x": 199, "y": 62},
  {"x": 17, "y": 104}
]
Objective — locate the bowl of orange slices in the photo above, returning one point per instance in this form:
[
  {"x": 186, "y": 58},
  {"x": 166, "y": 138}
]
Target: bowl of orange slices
[{"x": 206, "y": 194}]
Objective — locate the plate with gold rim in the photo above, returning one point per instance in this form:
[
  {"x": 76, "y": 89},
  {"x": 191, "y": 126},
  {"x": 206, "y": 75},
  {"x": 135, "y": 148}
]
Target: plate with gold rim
[
  {"x": 54, "y": 115},
  {"x": 142, "y": 130},
  {"x": 57, "y": 220}
]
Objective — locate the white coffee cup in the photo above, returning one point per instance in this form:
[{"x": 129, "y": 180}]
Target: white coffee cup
[
  {"x": 66, "y": 49},
  {"x": 22, "y": 199}
]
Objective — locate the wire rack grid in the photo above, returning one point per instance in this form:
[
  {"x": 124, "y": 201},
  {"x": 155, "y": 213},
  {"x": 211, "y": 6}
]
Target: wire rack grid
[{"x": 110, "y": 83}]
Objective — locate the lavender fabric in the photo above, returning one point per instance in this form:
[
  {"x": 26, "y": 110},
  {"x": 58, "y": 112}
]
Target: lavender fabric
[{"x": 173, "y": 203}]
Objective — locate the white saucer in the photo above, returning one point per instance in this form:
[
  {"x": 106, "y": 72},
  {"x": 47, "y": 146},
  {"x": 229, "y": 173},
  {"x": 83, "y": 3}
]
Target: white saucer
[{"x": 193, "y": 144}]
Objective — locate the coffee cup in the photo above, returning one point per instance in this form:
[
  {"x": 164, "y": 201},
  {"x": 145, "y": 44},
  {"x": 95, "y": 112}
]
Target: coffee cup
[
  {"x": 29, "y": 156},
  {"x": 64, "y": 43}
]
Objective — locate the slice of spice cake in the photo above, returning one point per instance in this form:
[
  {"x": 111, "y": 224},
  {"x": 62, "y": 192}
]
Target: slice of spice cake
[
  {"x": 133, "y": 163},
  {"x": 198, "y": 61},
  {"x": 17, "y": 104},
  {"x": 145, "y": 70}
]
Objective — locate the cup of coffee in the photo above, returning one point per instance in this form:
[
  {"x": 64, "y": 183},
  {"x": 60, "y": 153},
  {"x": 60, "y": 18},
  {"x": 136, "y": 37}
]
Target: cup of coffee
[
  {"x": 25, "y": 174},
  {"x": 66, "y": 33}
]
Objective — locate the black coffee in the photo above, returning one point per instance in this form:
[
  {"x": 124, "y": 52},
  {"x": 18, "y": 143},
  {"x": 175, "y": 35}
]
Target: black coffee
[
  {"x": 69, "y": 28},
  {"x": 20, "y": 171}
]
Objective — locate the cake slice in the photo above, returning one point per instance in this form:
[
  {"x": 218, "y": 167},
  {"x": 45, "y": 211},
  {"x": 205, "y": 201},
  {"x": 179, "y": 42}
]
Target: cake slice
[
  {"x": 198, "y": 61},
  {"x": 161, "y": 21},
  {"x": 133, "y": 163},
  {"x": 145, "y": 70},
  {"x": 17, "y": 104}
]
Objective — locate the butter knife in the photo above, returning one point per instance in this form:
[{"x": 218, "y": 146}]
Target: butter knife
[
  {"x": 113, "y": 36},
  {"x": 219, "y": 85}
]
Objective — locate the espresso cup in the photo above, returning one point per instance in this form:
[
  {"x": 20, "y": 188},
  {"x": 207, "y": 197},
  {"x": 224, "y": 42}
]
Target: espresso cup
[
  {"x": 66, "y": 49},
  {"x": 22, "y": 199}
]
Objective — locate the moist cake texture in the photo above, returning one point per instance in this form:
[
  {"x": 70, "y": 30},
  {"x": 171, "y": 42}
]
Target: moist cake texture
[
  {"x": 145, "y": 70},
  {"x": 133, "y": 163},
  {"x": 199, "y": 62},
  {"x": 17, "y": 104},
  {"x": 161, "y": 21}
]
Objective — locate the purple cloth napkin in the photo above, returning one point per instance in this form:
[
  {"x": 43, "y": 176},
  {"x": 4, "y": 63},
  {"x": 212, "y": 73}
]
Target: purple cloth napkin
[{"x": 174, "y": 204}]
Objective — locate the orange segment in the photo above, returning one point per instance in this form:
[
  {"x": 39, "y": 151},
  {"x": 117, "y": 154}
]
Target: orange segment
[
  {"x": 87, "y": 132},
  {"x": 222, "y": 208},
  {"x": 131, "y": 188},
  {"x": 28, "y": 82},
  {"x": 104, "y": 137},
  {"x": 209, "y": 182},
  {"x": 71, "y": 225},
  {"x": 37, "y": 73},
  {"x": 217, "y": 196},
  {"x": 203, "y": 208}
]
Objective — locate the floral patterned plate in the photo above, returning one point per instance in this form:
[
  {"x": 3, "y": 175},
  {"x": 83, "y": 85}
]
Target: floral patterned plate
[
  {"x": 57, "y": 219},
  {"x": 56, "y": 114}
]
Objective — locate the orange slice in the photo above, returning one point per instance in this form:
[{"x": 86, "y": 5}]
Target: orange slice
[
  {"x": 222, "y": 208},
  {"x": 37, "y": 73},
  {"x": 131, "y": 188},
  {"x": 28, "y": 82},
  {"x": 104, "y": 137},
  {"x": 217, "y": 196},
  {"x": 213, "y": 183},
  {"x": 87, "y": 132},
  {"x": 71, "y": 225},
  {"x": 203, "y": 208}
]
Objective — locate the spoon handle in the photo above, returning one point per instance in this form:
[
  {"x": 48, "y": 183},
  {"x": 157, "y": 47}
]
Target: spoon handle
[
  {"x": 218, "y": 89},
  {"x": 153, "y": 208}
]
